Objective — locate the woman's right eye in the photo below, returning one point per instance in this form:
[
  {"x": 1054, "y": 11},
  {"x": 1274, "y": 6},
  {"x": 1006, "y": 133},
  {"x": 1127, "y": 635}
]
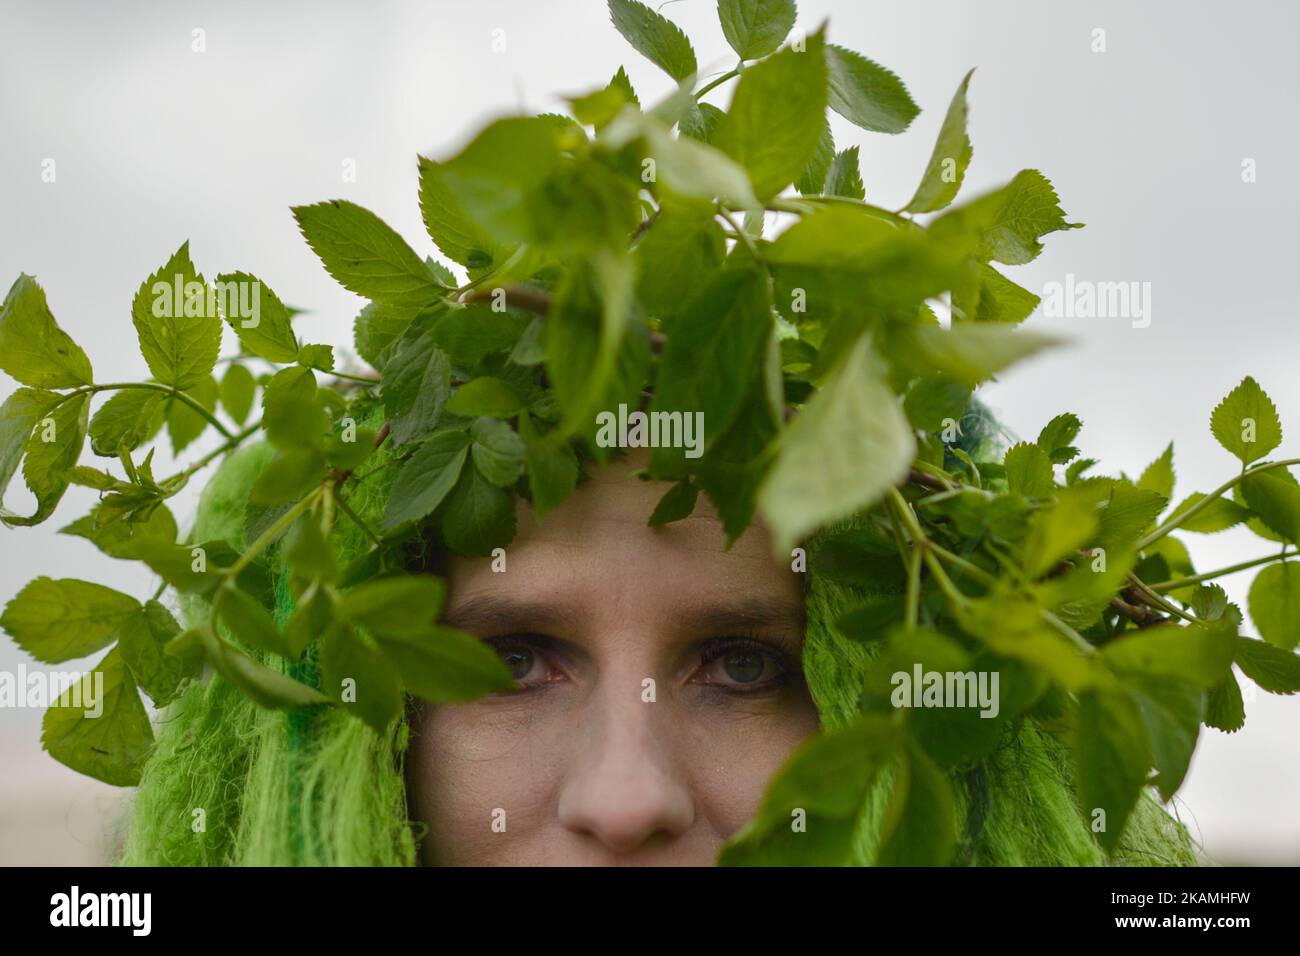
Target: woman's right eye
[{"x": 528, "y": 664}]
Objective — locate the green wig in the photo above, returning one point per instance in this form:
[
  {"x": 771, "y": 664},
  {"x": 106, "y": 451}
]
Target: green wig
[{"x": 232, "y": 783}]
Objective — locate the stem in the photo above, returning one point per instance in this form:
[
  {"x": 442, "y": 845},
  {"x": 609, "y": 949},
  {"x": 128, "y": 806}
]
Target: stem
[
  {"x": 273, "y": 532},
  {"x": 151, "y": 386},
  {"x": 1075, "y": 637},
  {"x": 487, "y": 276},
  {"x": 949, "y": 589},
  {"x": 1205, "y": 502},
  {"x": 356, "y": 520},
  {"x": 1152, "y": 599},
  {"x": 974, "y": 570},
  {"x": 351, "y": 378},
  {"x": 718, "y": 82},
  {"x": 1221, "y": 572},
  {"x": 798, "y": 206},
  {"x": 744, "y": 236}
]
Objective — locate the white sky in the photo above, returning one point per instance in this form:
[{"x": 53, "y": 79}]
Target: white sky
[{"x": 155, "y": 144}]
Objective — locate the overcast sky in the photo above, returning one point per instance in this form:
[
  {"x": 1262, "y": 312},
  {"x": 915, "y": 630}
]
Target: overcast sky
[{"x": 155, "y": 143}]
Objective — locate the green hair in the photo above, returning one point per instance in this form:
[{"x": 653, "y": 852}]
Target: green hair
[{"x": 231, "y": 783}]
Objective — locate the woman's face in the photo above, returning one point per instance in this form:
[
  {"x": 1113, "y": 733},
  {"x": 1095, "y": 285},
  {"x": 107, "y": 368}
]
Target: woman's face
[{"x": 660, "y": 689}]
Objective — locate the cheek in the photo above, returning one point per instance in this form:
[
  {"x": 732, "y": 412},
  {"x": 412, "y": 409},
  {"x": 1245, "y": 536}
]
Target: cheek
[
  {"x": 471, "y": 767},
  {"x": 733, "y": 755}
]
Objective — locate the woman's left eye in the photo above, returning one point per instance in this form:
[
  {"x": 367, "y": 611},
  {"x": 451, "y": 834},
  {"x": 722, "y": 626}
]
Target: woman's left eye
[{"x": 742, "y": 666}]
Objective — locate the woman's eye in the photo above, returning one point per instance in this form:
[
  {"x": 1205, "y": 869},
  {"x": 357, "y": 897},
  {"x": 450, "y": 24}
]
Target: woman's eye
[
  {"x": 741, "y": 668},
  {"x": 519, "y": 661}
]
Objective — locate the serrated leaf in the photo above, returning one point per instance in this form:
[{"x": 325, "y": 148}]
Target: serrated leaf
[
  {"x": 1274, "y": 602},
  {"x": 52, "y": 449},
  {"x": 1006, "y": 225},
  {"x": 952, "y": 154},
  {"x": 1112, "y": 756},
  {"x": 680, "y": 250},
  {"x": 677, "y": 503},
  {"x": 357, "y": 675},
  {"x": 1246, "y": 422},
  {"x": 236, "y": 392},
  {"x": 1159, "y": 475},
  {"x": 394, "y": 606},
  {"x": 775, "y": 120},
  {"x": 656, "y": 38},
  {"x": 416, "y": 385},
  {"x": 813, "y": 178},
  {"x": 178, "y": 322},
  {"x": 843, "y": 177},
  {"x": 18, "y": 416},
  {"x": 848, "y": 446},
  {"x": 1219, "y": 515},
  {"x": 291, "y": 416},
  {"x": 425, "y": 478},
  {"x": 866, "y": 94},
  {"x": 1224, "y": 708},
  {"x": 1274, "y": 669},
  {"x": 141, "y": 641},
  {"x": 34, "y": 350},
  {"x": 498, "y": 451},
  {"x": 1199, "y": 654},
  {"x": 445, "y": 665},
  {"x": 263, "y": 325},
  {"x": 920, "y": 825},
  {"x": 251, "y": 623},
  {"x": 755, "y": 28},
  {"x": 457, "y": 235},
  {"x": 1029, "y": 471},
  {"x": 552, "y": 468},
  {"x": 184, "y": 424},
  {"x": 58, "y": 620},
  {"x": 365, "y": 255},
  {"x": 485, "y": 395},
  {"x": 1276, "y": 502},
  {"x": 111, "y": 745},
  {"x": 127, "y": 420},
  {"x": 477, "y": 516},
  {"x": 972, "y": 354}
]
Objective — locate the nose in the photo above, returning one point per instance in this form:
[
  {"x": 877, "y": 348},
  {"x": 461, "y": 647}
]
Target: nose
[{"x": 623, "y": 788}]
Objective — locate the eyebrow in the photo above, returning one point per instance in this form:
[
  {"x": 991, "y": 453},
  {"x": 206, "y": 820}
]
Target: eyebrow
[{"x": 488, "y": 614}]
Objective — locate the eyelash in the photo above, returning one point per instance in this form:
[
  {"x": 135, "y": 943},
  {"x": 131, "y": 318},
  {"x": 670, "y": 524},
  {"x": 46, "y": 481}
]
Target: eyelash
[{"x": 711, "y": 651}]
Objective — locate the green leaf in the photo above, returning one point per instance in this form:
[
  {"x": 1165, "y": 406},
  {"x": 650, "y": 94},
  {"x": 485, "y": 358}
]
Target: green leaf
[
  {"x": 1159, "y": 475},
  {"x": 1274, "y": 602},
  {"x": 141, "y": 641},
  {"x": 58, "y": 620},
  {"x": 1276, "y": 501},
  {"x": 477, "y": 516},
  {"x": 377, "y": 327},
  {"x": 952, "y": 154},
  {"x": 920, "y": 826},
  {"x": 178, "y": 322},
  {"x": 262, "y": 325},
  {"x": 1219, "y": 515},
  {"x": 445, "y": 665},
  {"x": 656, "y": 38},
  {"x": 775, "y": 121},
  {"x": 552, "y": 468},
  {"x": 287, "y": 477},
  {"x": 111, "y": 745},
  {"x": 424, "y": 479},
  {"x": 498, "y": 451},
  {"x": 1172, "y": 713},
  {"x": 1274, "y": 669},
  {"x": 1029, "y": 471},
  {"x": 457, "y": 235},
  {"x": 291, "y": 415},
  {"x": 676, "y": 504},
  {"x": 992, "y": 297},
  {"x": 1006, "y": 225},
  {"x": 1129, "y": 511},
  {"x": 485, "y": 396},
  {"x": 1112, "y": 756},
  {"x": 416, "y": 385},
  {"x": 365, "y": 255},
  {"x": 680, "y": 250},
  {"x": 308, "y": 552},
  {"x": 866, "y": 94},
  {"x": 52, "y": 449},
  {"x": 1058, "y": 530},
  {"x": 236, "y": 392},
  {"x": 18, "y": 416},
  {"x": 587, "y": 325},
  {"x": 1058, "y": 435},
  {"x": 701, "y": 122},
  {"x": 34, "y": 350},
  {"x": 1224, "y": 708},
  {"x": 1199, "y": 654},
  {"x": 972, "y": 354},
  {"x": 359, "y": 677},
  {"x": 395, "y": 606},
  {"x": 848, "y": 446},
  {"x": 755, "y": 28},
  {"x": 690, "y": 168},
  {"x": 813, "y": 178},
  {"x": 116, "y": 538},
  {"x": 1246, "y": 422},
  {"x": 843, "y": 177},
  {"x": 710, "y": 356},
  {"x": 266, "y": 687},
  {"x": 184, "y": 424},
  {"x": 126, "y": 421},
  {"x": 249, "y": 621},
  {"x": 470, "y": 334}
]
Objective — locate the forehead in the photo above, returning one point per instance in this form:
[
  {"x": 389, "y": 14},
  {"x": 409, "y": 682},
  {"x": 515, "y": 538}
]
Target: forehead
[{"x": 596, "y": 551}]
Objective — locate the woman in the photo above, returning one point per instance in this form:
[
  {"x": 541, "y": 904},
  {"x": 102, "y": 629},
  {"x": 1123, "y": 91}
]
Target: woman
[{"x": 662, "y": 680}]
